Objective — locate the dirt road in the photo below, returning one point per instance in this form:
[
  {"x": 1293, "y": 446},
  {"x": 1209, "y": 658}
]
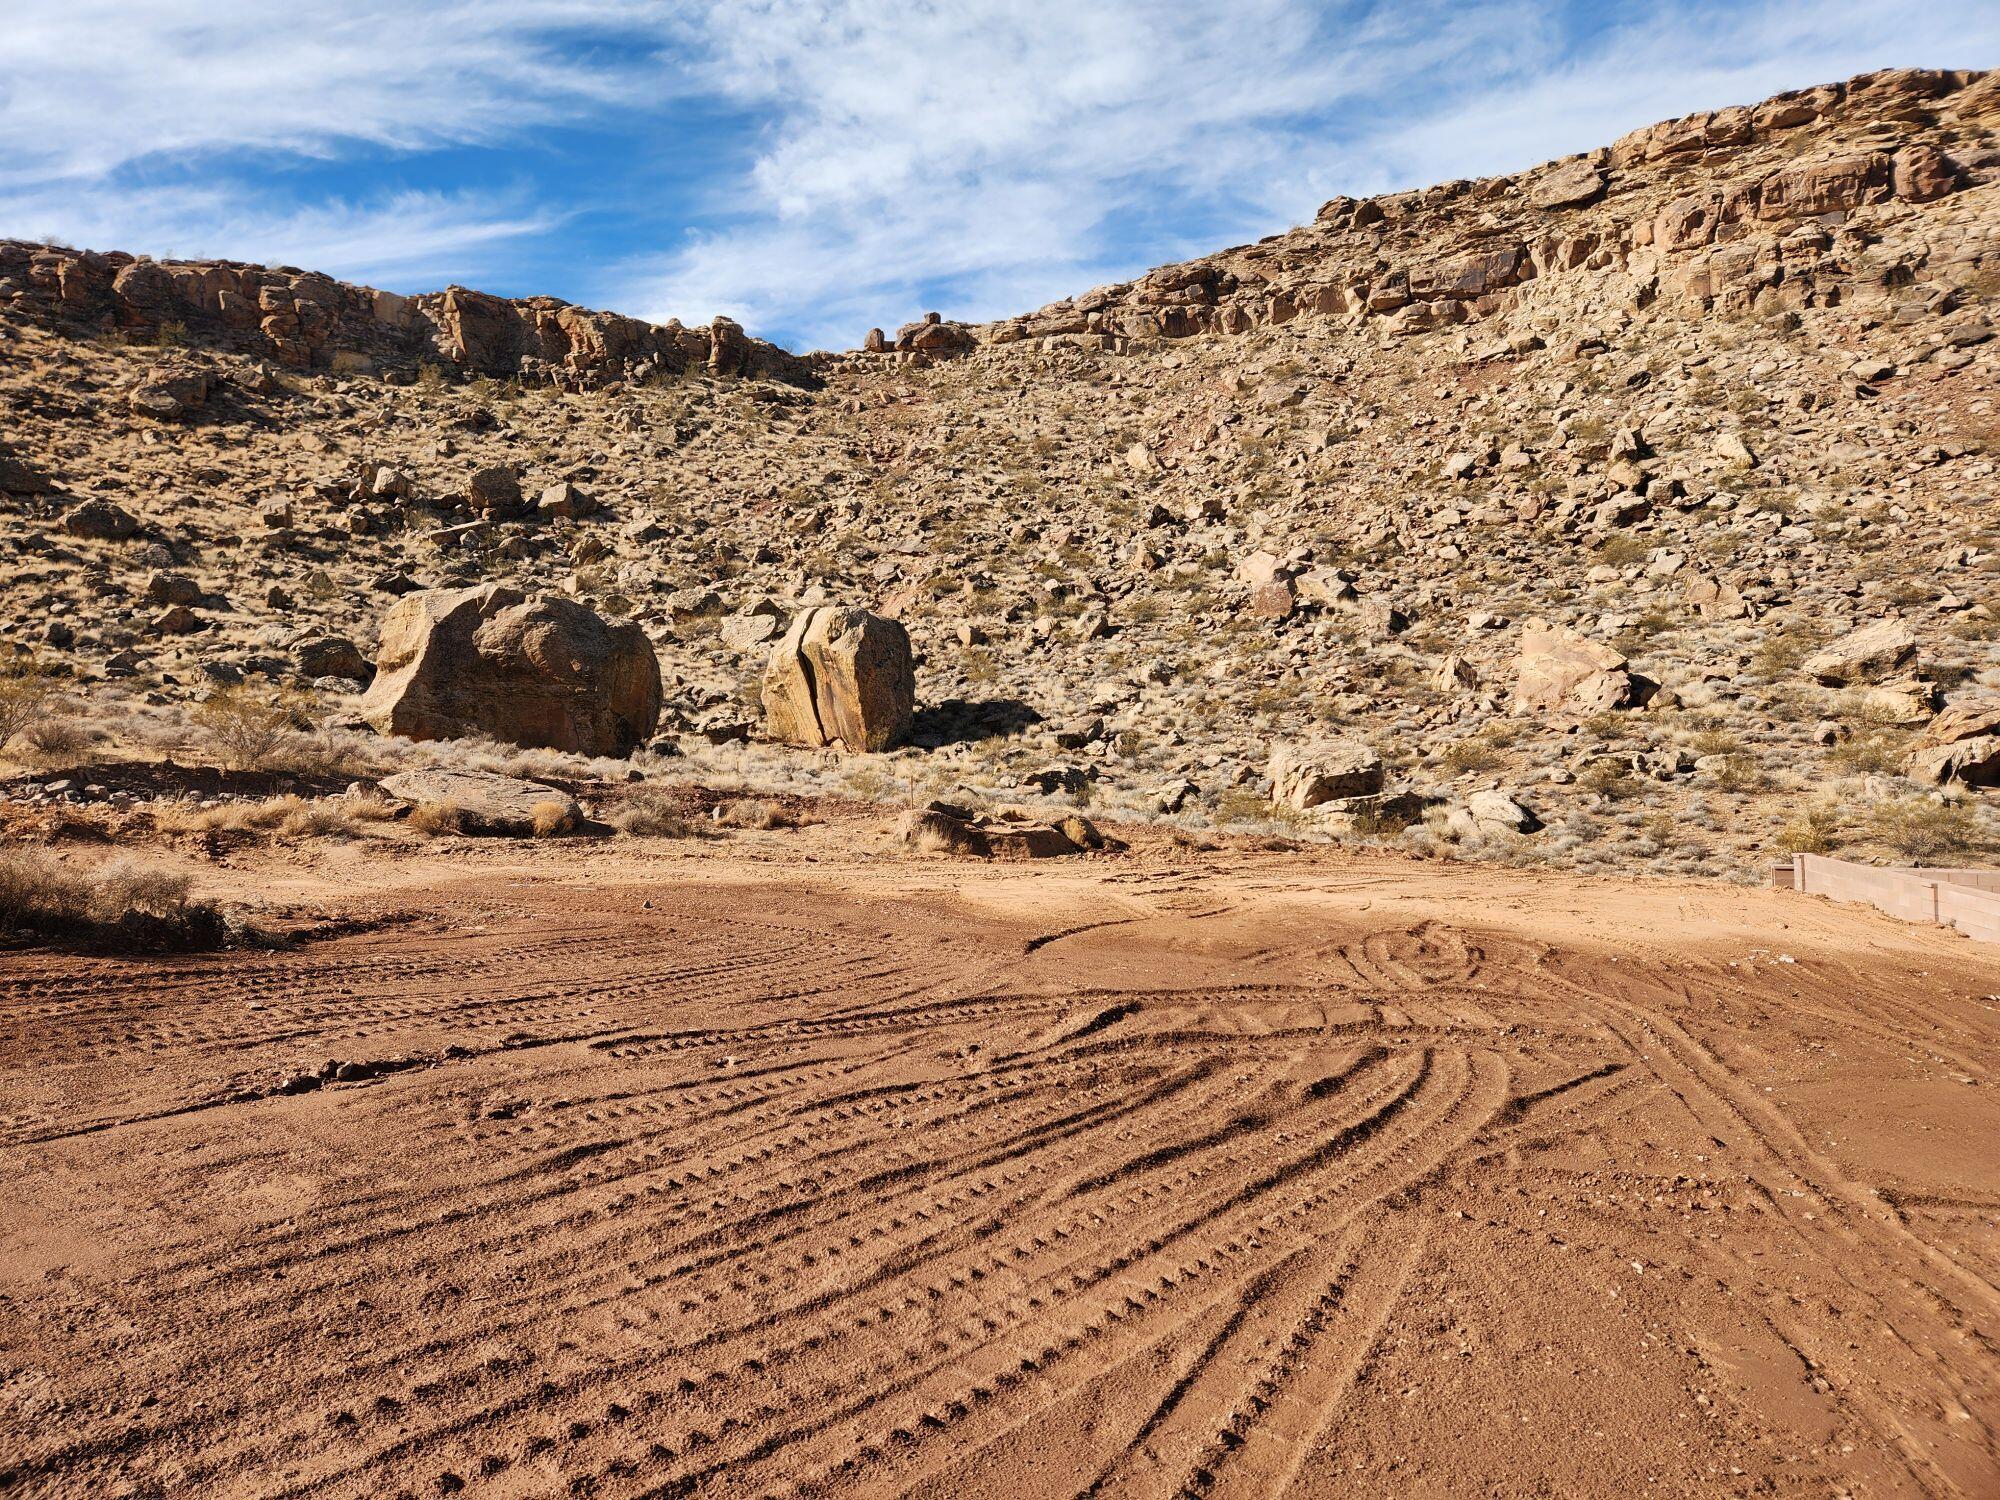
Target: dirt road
[{"x": 1248, "y": 1178}]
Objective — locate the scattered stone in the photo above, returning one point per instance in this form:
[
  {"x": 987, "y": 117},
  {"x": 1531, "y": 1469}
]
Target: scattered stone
[
  {"x": 175, "y": 396},
  {"x": 100, "y": 521}
]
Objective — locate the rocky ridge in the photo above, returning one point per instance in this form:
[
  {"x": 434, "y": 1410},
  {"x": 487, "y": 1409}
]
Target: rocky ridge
[{"x": 303, "y": 320}]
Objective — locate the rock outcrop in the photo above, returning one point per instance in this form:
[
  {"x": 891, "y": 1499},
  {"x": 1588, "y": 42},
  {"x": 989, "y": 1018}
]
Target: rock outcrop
[
  {"x": 308, "y": 321},
  {"x": 1760, "y": 232},
  {"x": 489, "y": 661},
  {"x": 841, "y": 677},
  {"x": 1961, "y": 744}
]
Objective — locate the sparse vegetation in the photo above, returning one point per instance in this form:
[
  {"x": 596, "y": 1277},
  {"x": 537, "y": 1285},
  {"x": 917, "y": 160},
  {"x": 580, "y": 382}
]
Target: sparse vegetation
[
  {"x": 1925, "y": 829},
  {"x": 256, "y": 730}
]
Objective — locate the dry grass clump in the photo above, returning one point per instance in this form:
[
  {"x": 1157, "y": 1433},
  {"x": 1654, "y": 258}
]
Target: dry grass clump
[
  {"x": 435, "y": 819},
  {"x": 289, "y": 816},
  {"x": 755, "y": 812},
  {"x": 551, "y": 818},
  {"x": 652, "y": 814},
  {"x": 133, "y": 904}
]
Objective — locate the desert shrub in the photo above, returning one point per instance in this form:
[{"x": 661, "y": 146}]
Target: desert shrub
[
  {"x": 1622, "y": 550},
  {"x": 435, "y": 818},
  {"x": 652, "y": 813},
  {"x": 551, "y": 818},
  {"x": 27, "y": 689},
  {"x": 55, "y": 740},
  {"x": 1476, "y": 754},
  {"x": 1782, "y": 650},
  {"x": 1815, "y": 830},
  {"x": 1738, "y": 773},
  {"x": 1867, "y": 753},
  {"x": 1608, "y": 779},
  {"x": 254, "y": 730},
  {"x": 1923, "y": 828}
]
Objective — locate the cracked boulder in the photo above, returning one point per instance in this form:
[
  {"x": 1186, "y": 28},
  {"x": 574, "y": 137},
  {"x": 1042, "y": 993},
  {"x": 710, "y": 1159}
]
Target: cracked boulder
[
  {"x": 842, "y": 677},
  {"x": 1962, "y": 744},
  {"x": 1305, "y": 776}
]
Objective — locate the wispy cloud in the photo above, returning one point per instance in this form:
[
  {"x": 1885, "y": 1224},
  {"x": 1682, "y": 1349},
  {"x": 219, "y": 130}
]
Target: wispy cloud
[
  {"x": 993, "y": 149},
  {"x": 89, "y": 86},
  {"x": 414, "y": 239}
]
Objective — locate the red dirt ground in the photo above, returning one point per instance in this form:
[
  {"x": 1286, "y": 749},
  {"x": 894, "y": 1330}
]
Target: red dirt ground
[{"x": 1230, "y": 1175}]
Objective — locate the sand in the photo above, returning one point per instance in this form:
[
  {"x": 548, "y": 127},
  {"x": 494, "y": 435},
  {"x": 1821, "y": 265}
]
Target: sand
[{"x": 1228, "y": 1174}]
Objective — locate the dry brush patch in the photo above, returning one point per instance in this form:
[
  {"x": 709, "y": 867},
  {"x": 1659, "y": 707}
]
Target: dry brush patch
[{"x": 119, "y": 904}]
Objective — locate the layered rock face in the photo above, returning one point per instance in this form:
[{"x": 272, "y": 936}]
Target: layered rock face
[
  {"x": 1733, "y": 210},
  {"x": 308, "y": 321},
  {"x": 487, "y": 660},
  {"x": 841, "y": 677}
]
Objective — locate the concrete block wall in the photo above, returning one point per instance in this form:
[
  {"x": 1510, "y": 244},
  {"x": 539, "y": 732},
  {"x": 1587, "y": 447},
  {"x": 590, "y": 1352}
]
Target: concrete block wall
[{"x": 1966, "y": 899}]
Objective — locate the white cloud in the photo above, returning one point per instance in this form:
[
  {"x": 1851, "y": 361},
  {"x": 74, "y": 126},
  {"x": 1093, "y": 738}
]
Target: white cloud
[{"x": 89, "y": 86}]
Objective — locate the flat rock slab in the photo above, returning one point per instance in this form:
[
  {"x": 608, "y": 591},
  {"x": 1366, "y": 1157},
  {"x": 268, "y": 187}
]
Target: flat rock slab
[{"x": 485, "y": 801}]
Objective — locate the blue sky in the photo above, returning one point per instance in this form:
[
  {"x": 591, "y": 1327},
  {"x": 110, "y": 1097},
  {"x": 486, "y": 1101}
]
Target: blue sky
[{"x": 814, "y": 167}]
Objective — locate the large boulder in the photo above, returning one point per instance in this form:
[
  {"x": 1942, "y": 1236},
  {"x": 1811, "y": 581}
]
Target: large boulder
[
  {"x": 485, "y": 802},
  {"x": 1305, "y": 776},
  {"x": 100, "y": 521},
  {"x": 1561, "y": 669},
  {"x": 170, "y": 396},
  {"x": 1489, "y": 812},
  {"x": 488, "y": 660},
  {"x": 1961, "y": 744},
  {"x": 1872, "y": 652},
  {"x": 841, "y": 677},
  {"x": 1569, "y": 184}
]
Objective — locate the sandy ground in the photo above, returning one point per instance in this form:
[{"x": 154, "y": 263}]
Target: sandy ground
[{"x": 1228, "y": 1174}]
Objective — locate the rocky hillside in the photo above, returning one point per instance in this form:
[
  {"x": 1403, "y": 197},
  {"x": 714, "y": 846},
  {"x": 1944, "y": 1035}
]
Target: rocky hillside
[{"x": 1637, "y": 509}]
